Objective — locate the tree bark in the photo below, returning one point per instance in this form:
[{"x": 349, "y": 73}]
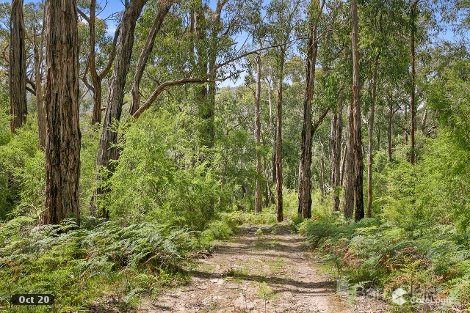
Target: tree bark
[
  {"x": 322, "y": 176},
  {"x": 305, "y": 173},
  {"x": 370, "y": 135},
  {"x": 17, "y": 67},
  {"x": 96, "y": 117},
  {"x": 272, "y": 127},
  {"x": 259, "y": 170},
  {"x": 389, "y": 130},
  {"x": 348, "y": 165},
  {"x": 163, "y": 9},
  {"x": 358, "y": 160},
  {"x": 335, "y": 146},
  {"x": 414, "y": 13},
  {"x": 278, "y": 158},
  {"x": 62, "y": 112},
  {"x": 107, "y": 149},
  {"x": 41, "y": 107}
]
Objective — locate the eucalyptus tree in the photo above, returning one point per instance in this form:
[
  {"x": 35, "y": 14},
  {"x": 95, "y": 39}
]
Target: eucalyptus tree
[
  {"x": 62, "y": 112},
  {"x": 163, "y": 7},
  {"x": 107, "y": 150},
  {"x": 257, "y": 29},
  {"x": 36, "y": 28},
  {"x": 95, "y": 56},
  {"x": 305, "y": 175},
  {"x": 282, "y": 17},
  {"x": 413, "y": 16},
  {"x": 353, "y": 188},
  {"x": 17, "y": 67}
]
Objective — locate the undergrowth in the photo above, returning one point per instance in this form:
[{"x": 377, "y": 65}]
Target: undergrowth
[
  {"x": 433, "y": 263},
  {"x": 82, "y": 264}
]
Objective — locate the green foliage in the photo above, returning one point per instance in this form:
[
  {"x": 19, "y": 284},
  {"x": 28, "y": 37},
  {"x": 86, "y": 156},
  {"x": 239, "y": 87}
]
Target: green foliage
[
  {"x": 21, "y": 173},
  {"x": 154, "y": 180},
  {"x": 448, "y": 96},
  {"x": 71, "y": 261},
  {"x": 376, "y": 253},
  {"x": 434, "y": 191}
]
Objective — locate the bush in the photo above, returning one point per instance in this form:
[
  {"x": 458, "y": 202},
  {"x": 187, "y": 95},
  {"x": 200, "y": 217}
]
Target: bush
[
  {"x": 375, "y": 253},
  {"x": 433, "y": 191},
  {"x": 22, "y": 174},
  {"x": 71, "y": 261},
  {"x": 156, "y": 178}
]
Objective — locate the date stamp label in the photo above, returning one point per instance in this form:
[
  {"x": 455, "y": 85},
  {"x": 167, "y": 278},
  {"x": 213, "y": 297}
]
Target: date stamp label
[{"x": 32, "y": 299}]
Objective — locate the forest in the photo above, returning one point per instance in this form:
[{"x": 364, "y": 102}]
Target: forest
[{"x": 235, "y": 155}]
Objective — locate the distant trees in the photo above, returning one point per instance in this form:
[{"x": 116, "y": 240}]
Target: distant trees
[
  {"x": 62, "y": 112},
  {"x": 304, "y": 69}
]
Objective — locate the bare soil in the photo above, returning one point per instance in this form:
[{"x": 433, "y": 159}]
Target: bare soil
[{"x": 262, "y": 269}]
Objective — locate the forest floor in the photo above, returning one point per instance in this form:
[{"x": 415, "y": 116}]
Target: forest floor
[{"x": 261, "y": 269}]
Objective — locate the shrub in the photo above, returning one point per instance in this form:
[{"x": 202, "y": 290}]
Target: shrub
[
  {"x": 71, "y": 261},
  {"x": 155, "y": 179}
]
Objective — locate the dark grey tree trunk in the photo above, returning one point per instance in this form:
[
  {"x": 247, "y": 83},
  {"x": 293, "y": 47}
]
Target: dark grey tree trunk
[
  {"x": 322, "y": 176},
  {"x": 348, "y": 165},
  {"x": 272, "y": 126},
  {"x": 305, "y": 173},
  {"x": 278, "y": 154},
  {"x": 335, "y": 147},
  {"x": 62, "y": 112},
  {"x": 414, "y": 13},
  {"x": 389, "y": 130},
  {"x": 17, "y": 70},
  {"x": 259, "y": 170},
  {"x": 107, "y": 150},
  {"x": 370, "y": 159},
  {"x": 358, "y": 155},
  {"x": 41, "y": 107}
]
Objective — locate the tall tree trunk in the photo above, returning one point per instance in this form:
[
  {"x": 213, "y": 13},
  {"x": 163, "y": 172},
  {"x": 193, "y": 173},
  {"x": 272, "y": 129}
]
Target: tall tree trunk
[
  {"x": 204, "y": 109},
  {"x": 348, "y": 165},
  {"x": 379, "y": 136},
  {"x": 272, "y": 178},
  {"x": 17, "y": 75},
  {"x": 107, "y": 149},
  {"x": 41, "y": 107},
  {"x": 414, "y": 13},
  {"x": 272, "y": 128},
  {"x": 322, "y": 176},
  {"x": 62, "y": 112},
  {"x": 259, "y": 170},
  {"x": 305, "y": 173},
  {"x": 389, "y": 130},
  {"x": 343, "y": 164},
  {"x": 279, "y": 204},
  {"x": 96, "y": 117},
  {"x": 335, "y": 146},
  {"x": 163, "y": 9},
  {"x": 405, "y": 129},
  {"x": 358, "y": 160},
  {"x": 370, "y": 135}
]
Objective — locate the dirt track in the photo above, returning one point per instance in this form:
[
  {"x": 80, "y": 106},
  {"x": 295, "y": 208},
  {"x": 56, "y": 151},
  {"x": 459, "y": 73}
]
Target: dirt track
[{"x": 271, "y": 271}]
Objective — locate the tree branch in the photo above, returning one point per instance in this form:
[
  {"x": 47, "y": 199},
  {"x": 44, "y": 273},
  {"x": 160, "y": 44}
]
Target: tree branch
[
  {"x": 160, "y": 88},
  {"x": 112, "y": 55}
]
